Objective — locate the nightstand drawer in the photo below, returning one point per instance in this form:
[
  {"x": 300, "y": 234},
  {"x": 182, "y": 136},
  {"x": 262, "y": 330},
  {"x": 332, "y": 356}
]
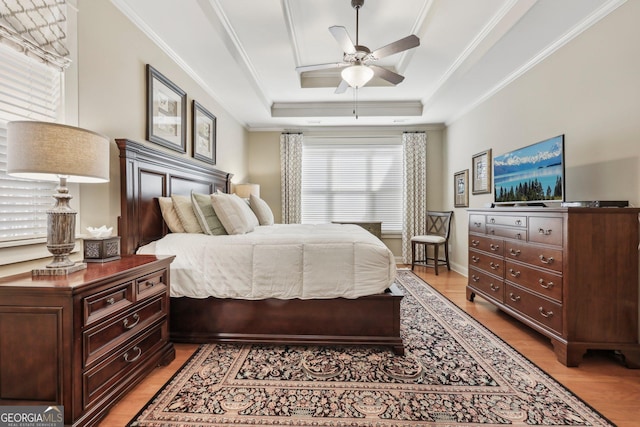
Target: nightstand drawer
[
  {"x": 151, "y": 284},
  {"x": 102, "y": 378},
  {"x": 107, "y": 302},
  {"x": 104, "y": 338}
]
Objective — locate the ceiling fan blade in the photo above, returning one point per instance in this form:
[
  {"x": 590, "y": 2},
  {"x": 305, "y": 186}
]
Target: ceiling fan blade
[
  {"x": 398, "y": 46},
  {"x": 326, "y": 66},
  {"x": 343, "y": 39},
  {"x": 387, "y": 75},
  {"x": 342, "y": 87}
]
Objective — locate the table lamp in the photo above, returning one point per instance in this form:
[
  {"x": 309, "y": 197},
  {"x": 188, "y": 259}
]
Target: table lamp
[
  {"x": 54, "y": 152},
  {"x": 245, "y": 190}
]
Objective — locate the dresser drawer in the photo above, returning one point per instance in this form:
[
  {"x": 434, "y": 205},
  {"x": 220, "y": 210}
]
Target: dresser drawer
[
  {"x": 103, "y": 338},
  {"x": 486, "y": 262},
  {"x": 98, "y": 381},
  {"x": 151, "y": 284},
  {"x": 508, "y": 232},
  {"x": 545, "y": 230},
  {"x": 489, "y": 285},
  {"x": 545, "y": 283},
  {"x": 107, "y": 302},
  {"x": 476, "y": 223},
  {"x": 539, "y": 256},
  {"x": 541, "y": 310},
  {"x": 512, "y": 221},
  {"x": 487, "y": 244}
]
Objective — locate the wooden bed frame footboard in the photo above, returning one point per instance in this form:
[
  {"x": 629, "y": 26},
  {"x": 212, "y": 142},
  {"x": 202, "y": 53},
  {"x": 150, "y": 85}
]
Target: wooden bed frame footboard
[{"x": 145, "y": 175}]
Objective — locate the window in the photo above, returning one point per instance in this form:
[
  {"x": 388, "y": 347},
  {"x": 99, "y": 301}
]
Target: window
[
  {"x": 352, "y": 179},
  {"x": 28, "y": 91}
]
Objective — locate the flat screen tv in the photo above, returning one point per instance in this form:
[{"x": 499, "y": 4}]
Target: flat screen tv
[{"x": 530, "y": 175}]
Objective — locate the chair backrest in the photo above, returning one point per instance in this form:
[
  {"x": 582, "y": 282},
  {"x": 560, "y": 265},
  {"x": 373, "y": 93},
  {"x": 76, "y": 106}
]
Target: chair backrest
[{"x": 439, "y": 223}]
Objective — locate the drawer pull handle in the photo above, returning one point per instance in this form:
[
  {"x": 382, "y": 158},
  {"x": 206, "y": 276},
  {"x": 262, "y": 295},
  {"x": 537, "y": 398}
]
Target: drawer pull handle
[
  {"x": 136, "y": 319},
  {"x": 514, "y": 298},
  {"x": 494, "y": 288},
  {"x": 547, "y": 285},
  {"x": 492, "y": 231},
  {"x": 492, "y": 220},
  {"x": 494, "y": 265},
  {"x": 546, "y": 260},
  {"x": 475, "y": 259},
  {"x": 543, "y": 231},
  {"x": 514, "y": 253},
  {"x": 136, "y": 357},
  {"x": 494, "y": 247},
  {"x": 150, "y": 284},
  {"x": 111, "y": 301},
  {"x": 544, "y": 313},
  {"x": 475, "y": 278},
  {"x": 514, "y": 273},
  {"x": 519, "y": 236},
  {"x": 475, "y": 243},
  {"x": 477, "y": 224},
  {"x": 518, "y": 222}
]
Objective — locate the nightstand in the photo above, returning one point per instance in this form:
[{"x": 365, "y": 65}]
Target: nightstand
[
  {"x": 85, "y": 339},
  {"x": 373, "y": 227}
]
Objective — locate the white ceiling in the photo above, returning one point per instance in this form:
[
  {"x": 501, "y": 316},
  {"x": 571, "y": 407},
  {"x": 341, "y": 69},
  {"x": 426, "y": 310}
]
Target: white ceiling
[{"x": 245, "y": 53}]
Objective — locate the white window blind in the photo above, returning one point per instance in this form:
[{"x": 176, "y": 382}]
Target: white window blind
[
  {"x": 28, "y": 91},
  {"x": 352, "y": 179}
]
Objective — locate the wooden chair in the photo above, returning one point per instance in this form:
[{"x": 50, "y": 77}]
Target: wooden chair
[{"x": 438, "y": 228}]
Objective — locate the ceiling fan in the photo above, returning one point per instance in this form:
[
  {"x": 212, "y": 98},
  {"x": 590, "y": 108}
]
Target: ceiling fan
[{"x": 359, "y": 61}]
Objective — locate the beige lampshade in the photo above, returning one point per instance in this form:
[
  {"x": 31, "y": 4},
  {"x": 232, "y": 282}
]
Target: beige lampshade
[
  {"x": 244, "y": 191},
  {"x": 44, "y": 151}
]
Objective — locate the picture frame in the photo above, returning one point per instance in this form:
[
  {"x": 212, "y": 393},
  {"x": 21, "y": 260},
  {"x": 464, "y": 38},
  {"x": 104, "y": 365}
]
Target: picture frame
[
  {"x": 481, "y": 175},
  {"x": 203, "y": 129},
  {"x": 166, "y": 112},
  {"x": 461, "y": 189}
]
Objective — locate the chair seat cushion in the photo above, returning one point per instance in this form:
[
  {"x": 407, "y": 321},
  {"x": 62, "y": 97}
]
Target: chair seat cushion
[{"x": 428, "y": 239}]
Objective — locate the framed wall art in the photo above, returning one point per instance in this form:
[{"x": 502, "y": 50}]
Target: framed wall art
[
  {"x": 481, "y": 176},
  {"x": 166, "y": 112},
  {"x": 461, "y": 189},
  {"x": 204, "y": 134}
]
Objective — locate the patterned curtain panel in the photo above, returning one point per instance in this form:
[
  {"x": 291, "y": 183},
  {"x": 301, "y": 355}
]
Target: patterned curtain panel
[
  {"x": 36, "y": 28},
  {"x": 415, "y": 190},
  {"x": 291, "y": 177}
]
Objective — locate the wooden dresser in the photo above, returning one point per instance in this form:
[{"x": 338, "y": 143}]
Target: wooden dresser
[
  {"x": 569, "y": 273},
  {"x": 85, "y": 339}
]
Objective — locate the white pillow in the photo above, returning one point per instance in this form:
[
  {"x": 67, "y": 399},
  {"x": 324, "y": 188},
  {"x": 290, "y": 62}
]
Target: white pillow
[
  {"x": 170, "y": 215},
  {"x": 184, "y": 209},
  {"x": 261, "y": 209},
  {"x": 235, "y": 214}
]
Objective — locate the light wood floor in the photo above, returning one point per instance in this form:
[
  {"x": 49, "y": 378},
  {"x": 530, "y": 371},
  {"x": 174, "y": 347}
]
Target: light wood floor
[{"x": 600, "y": 380}]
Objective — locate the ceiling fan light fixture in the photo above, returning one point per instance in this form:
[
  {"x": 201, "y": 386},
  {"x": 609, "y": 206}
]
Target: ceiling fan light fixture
[{"x": 357, "y": 75}]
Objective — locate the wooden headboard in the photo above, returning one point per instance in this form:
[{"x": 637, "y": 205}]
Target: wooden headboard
[{"x": 145, "y": 175}]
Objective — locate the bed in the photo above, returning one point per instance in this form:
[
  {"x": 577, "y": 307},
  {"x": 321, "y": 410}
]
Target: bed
[{"x": 147, "y": 174}]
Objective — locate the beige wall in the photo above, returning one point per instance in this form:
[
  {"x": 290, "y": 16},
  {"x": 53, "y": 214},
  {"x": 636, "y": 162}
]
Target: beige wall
[
  {"x": 112, "y": 54},
  {"x": 588, "y": 90},
  {"x": 264, "y": 168}
]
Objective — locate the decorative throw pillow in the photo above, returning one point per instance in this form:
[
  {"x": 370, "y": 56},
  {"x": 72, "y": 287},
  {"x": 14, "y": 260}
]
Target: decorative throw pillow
[
  {"x": 170, "y": 215},
  {"x": 184, "y": 209},
  {"x": 205, "y": 214},
  {"x": 261, "y": 209},
  {"x": 234, "y": 213}
]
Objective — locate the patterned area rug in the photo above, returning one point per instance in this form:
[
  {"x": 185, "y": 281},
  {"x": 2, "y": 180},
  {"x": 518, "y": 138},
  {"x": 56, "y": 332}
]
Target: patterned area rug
[{"x": 454, "y": 373}]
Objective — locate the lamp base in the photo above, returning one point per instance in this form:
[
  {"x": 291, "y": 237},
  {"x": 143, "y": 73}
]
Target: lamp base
[{"x": 59, "y": 271}]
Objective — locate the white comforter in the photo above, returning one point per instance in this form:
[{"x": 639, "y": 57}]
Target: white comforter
[{"x": 278, "y": 261}]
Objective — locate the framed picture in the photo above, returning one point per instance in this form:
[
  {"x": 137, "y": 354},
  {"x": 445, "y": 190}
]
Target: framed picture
[
  {"x": 166, "y": 112},
  {"x": 461, "y": 189},
  {"x": 204, "y": 134},
  {"x": 481, "y": 167}
]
